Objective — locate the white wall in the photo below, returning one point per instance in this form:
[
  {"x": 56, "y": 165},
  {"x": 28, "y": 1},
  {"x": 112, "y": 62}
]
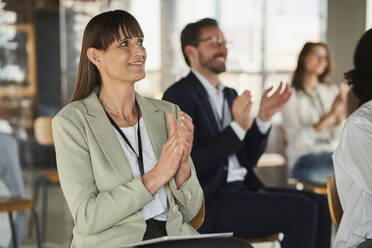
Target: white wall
[{"x": 346, "y": 23}]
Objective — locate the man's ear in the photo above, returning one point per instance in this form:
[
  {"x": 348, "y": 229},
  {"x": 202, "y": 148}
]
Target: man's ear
[
  {"x": 191, "y": 52},
  {"x": 94, "y": 56}
]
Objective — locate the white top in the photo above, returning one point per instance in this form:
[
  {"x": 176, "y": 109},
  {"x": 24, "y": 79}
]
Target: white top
[
  {"x": 235, "y": 171},
  {"x": 353, "y": 170},
  {"x": 303, "y": 110},
  {"x": 158, "y": 207}
]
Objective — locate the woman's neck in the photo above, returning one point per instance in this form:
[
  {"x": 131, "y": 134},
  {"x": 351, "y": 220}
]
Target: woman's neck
[
  {"x": 119, "y": 101},
  {"x": 311, "y": 81}
]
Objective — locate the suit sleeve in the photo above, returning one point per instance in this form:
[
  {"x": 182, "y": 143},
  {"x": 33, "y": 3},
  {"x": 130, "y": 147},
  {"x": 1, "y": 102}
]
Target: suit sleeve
[
  {"x": 217, "y": 149},
  {"x": 254, "y": 146},
  {"x": 93, "y": 211},
  {"x": 225, "y": 144}
]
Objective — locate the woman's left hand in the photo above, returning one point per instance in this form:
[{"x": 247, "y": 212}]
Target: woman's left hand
[
  {"x": 187, "y": 130},
  {"x": 188, "y": 134}
]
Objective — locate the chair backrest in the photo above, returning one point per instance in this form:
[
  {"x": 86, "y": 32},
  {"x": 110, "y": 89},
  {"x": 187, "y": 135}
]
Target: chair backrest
[
  {"x": 198, "y": 220},
  {"x": 43, "y": 130},
  {"x": 334, "y": 204}
]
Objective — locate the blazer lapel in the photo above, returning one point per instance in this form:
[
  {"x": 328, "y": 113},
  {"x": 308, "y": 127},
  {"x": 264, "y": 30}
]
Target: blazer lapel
[
  {"x": 106, "y": 136},
  {"x": 204, "y": 98},
  {"x": 155, "y": 121},
  {"x": 230, "y": 95}
]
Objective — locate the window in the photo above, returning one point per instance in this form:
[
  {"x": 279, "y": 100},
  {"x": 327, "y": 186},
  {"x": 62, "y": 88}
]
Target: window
[
  {"x": 266, "y": 36},
  {"x": 75, "y": 16}
]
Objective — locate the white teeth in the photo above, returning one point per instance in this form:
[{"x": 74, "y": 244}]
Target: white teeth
[{"x": 137, "y": 63}]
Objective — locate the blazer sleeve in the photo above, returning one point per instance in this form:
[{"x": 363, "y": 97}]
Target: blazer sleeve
[
  {"x": 210, "y": 154},
  {"x": 93, "y": 211},
  {"x": 189, "y": 196},
  {"x": 255, "y": 144}
]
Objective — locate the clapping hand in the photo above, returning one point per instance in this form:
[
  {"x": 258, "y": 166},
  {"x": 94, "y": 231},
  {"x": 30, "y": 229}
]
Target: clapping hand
[
  {"x": 270, "y": 105},
  {"x": 173, "y": 161},
  {"x": 339, "y": 103},
  {"x": 241, "y": 108},
  {"x": 344, "y": 90},
  {"x": 186, "y": 138}
]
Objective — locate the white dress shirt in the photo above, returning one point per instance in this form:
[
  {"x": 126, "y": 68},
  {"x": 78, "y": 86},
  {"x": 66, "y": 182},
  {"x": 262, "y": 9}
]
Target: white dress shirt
[
  {"x": 235, "y": 172},
  {"x": 353, "y": 169},
  {"x": 303, "y": 110},
  {"x": 158, "y": 207}
]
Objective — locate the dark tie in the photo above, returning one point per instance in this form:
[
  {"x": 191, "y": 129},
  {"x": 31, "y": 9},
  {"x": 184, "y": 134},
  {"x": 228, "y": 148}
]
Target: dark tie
[
  {"x": 226, "y": 112},
  {"x": 226, "y": 94}
]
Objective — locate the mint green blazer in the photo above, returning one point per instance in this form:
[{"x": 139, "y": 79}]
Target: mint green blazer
[{"x": 104, "y": 198}]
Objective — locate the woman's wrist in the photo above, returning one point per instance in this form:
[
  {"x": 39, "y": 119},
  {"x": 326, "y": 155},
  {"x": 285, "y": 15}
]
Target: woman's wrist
[
  {"x": 332, "y": 114},
  {"x": 183, "y": 174},
  {"x": 154, "y": 180},
  {"x": 340, "y": 118},
  {"x": 325, "y": 121}
]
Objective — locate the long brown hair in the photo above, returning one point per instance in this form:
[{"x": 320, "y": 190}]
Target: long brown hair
[
  {"x": 101, "y": 31},
  {"x": 299, "y": 73}
]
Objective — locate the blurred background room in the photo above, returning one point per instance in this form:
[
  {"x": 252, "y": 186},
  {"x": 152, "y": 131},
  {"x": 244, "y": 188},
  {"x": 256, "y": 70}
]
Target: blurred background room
[{"x": 40, "y": 42}]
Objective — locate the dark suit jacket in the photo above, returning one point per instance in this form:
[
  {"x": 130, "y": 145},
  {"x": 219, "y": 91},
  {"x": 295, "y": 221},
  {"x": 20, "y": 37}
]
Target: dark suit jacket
[{"x": 211, "y": 146}]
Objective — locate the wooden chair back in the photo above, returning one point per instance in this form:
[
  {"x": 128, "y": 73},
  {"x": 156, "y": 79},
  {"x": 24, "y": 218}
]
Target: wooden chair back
[
  {"x": 334, "y": 204},
  {"x": 198, "y": 220}
]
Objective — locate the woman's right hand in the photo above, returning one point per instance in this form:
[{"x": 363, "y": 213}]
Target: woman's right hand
[
  {"x": 336, "y": 113},
  {"x": 169, "y": 160},
  {"x": 338, "y": 105}
]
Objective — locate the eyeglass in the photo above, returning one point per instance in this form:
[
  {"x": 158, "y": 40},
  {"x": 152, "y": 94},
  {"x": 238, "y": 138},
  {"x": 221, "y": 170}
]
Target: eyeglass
[
  {"x": 215, "y": 41},
  {"x": 319, "y": 56}
]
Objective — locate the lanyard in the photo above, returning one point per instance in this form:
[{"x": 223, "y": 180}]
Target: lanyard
[
  {"x": 140, "y": 155},
  {"x": 313, "y": 100}
]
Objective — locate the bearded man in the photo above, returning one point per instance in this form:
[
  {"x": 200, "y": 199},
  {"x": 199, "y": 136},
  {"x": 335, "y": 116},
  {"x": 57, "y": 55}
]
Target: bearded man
[{"x": 227, "y": 145}]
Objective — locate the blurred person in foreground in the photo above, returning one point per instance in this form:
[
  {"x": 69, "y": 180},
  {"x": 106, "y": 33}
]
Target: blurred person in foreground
[
  {"x": 352, "y": 158},
  {"x": 228, "y": 144},
  {"x": 313, "y": 116}
]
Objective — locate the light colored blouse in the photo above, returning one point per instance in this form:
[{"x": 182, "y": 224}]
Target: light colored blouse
[
  {"x": 353, "y": 170},
  {"x": 304, "y": 109},
  {"x": 158, "y": 207}
]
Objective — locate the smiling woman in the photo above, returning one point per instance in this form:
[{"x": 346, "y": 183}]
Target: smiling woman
[
  {"x": 123, "y": 159},
  {"x": 313, "y": 116}
]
